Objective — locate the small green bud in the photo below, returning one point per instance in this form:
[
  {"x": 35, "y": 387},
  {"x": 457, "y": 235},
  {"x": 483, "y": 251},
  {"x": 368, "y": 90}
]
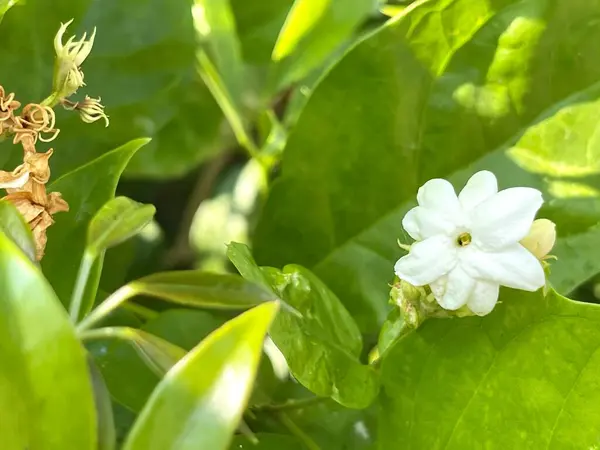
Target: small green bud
[{"x": 541, "y": 238}]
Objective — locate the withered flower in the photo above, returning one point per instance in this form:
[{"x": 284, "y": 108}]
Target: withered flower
[
  {"x": 8, "y": 105},
  {"x": 39, "y": 119},
  {"x": 90, "y": 109},
  {"x": 68, "y": 77}
]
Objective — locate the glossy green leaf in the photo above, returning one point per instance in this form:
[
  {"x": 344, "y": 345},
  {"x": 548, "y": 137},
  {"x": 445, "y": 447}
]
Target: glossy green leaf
[
  {"x": 13, "y": 225},
  {"x": 86, "y": 189},
  {"x": 203, "y": 289},
  {"x": 267, "y": 441},
  {"x": 129, "y": 379},
  {"x": 323, "y": 345},
  {"x": 118, "y": 220},
  {"x": 418, "y": 100},
  {"x": 44, "y": 375},
  {"x": 531, "y": 366},
  {"x": 240, "y": 255},
  {"x": 313, "y": 30},
  {"x": 105, "y": 423},
  {"x": 201, "y": 400}
]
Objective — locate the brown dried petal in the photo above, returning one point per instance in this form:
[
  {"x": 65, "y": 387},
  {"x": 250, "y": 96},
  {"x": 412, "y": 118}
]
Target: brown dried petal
[
  {"x": 15, "y": 179},
  {"x": 38, "y": 228},
  {"x": 37, "y": 163},
  {"x": 24, "y": 203},
  {"x": 56, "y": 203}
]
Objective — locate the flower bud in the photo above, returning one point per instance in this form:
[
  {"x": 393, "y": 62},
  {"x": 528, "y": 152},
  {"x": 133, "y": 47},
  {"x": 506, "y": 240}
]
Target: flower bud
[
  {"x": 68, "y": 77},
  {"x": 541, "y": 238}
]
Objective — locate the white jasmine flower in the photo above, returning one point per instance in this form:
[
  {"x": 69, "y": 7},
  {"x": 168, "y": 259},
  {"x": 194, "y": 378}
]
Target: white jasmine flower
[{"x": 468, "y": 246}]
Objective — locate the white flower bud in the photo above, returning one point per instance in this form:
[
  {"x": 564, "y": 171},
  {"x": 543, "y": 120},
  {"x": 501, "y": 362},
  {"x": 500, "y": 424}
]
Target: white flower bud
[{"x": 541, "y": 238}]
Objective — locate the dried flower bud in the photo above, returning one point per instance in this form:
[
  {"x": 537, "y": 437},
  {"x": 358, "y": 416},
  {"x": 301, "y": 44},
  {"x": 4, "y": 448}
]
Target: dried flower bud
[
  {"x": 7, "y": 105},
  {"x": 90, "y": 109},
  {"x": 541, "y": 238},
  {"x": 68, "y": 77}
]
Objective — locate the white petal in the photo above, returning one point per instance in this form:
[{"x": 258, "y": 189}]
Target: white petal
[
  {"x": 505, "y": 218},
  {"x": 483, "y": 298},
  {"x": 513, "y": 266},
  {"x": 438, "y": 287},
  {"x": 480, "y": 187},
  {"x": 458, "y": 289},
  {"x": 427, "y": 260},
  {"x": 438, "y": 195},
  {"x": 422, "y": 223},
  {"x": 16, "y": 183}
]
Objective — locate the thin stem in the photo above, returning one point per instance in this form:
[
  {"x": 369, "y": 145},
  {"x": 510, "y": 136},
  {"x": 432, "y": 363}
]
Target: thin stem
[
  {"x": 142, "y": 311},
  {"x": 51, "y": 101},
  {"x": 112, "y": 302},
  {"x": 297, "y": 431},
  {"x": 292, "y": 404},
  {"x": 85, "y": 266}
]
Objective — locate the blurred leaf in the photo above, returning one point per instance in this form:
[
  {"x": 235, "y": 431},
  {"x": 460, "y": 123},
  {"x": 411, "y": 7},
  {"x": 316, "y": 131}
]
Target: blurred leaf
[
  {"x": 129, "y": 380},
  {"x": 415, "y": 101},
  {"x": 531, "y": 365},
  {"x": 13, "y": 225},
  {"x": 116, "y": 221},
  {"x": 107, "y": 435},
  {"x": 267, "y": 441},
  {"x": 143, "y": 67},
  {"x": 44, "y": 376},
  {"x": 203, "y": 290},
  {"x": 5, "y": 5},
  {"x": 200, "y": 401},
  {"x": 86, "y": 189},
  {"x": 323, "y": 346}
]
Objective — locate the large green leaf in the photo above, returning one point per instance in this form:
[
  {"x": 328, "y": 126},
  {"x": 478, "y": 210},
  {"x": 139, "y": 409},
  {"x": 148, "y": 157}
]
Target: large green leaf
[
  {"x": 200, "y": 401},
  {"x": 439, "y": 87},
  {"x": 86, "y": 189},
  {"x": 526, "y": 376},
  {"x": 322, "y": 346},
  {"x": 45, "y": 391},
  {"x": 107, "y": 436},
  {"x": 142, "y": 66}
]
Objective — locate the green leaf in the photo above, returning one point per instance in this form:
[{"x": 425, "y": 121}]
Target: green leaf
[
  {"x": 86, "y": 189},
  {"x": 434, "y": 100},
  {"x": 200, "y": 401},
  {"x": 241, "y": 257},
  {"x": 118, "y": 220},
  {"x": 44, "y": 377},
  {"x": 129, "y": 379},
  {"x": 267, "y": 441},
  {"x": 107, "y": 436},
  {"x": 323, "y": 345},
  {"x": 203, "y": 290},
  {"x": 313, "y": 30},
  {"x": 13, "y": 225},
  {"x": 531, "y": 365},
  {"x": 5, "y": 5}
]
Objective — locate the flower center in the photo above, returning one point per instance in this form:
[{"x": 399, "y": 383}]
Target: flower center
[{"x": 464, "y": 239}]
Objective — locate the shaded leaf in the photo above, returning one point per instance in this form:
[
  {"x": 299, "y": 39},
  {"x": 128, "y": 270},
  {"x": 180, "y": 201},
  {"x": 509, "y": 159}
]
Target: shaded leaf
[
  {"x": 531, "y": 365},
  {"x": 200, "y": 401},
  {"x": 105, "y": 423},
  {"x": 44, "y": 376},
  {"x": 267, "y": 441}
]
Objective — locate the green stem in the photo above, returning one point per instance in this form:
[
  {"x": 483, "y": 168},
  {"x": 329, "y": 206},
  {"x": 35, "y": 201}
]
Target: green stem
[
  {"x": 85, "y": 266},
  {"x": 297, "y": 431},
  {"x": 292, "y": 404},
  {"x": 51, "y": 101},
  {"x": 112, "y": 302}
]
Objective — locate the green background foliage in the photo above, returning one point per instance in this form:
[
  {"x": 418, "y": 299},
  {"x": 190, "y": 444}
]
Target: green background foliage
[{"x": 301, "y": 130}]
